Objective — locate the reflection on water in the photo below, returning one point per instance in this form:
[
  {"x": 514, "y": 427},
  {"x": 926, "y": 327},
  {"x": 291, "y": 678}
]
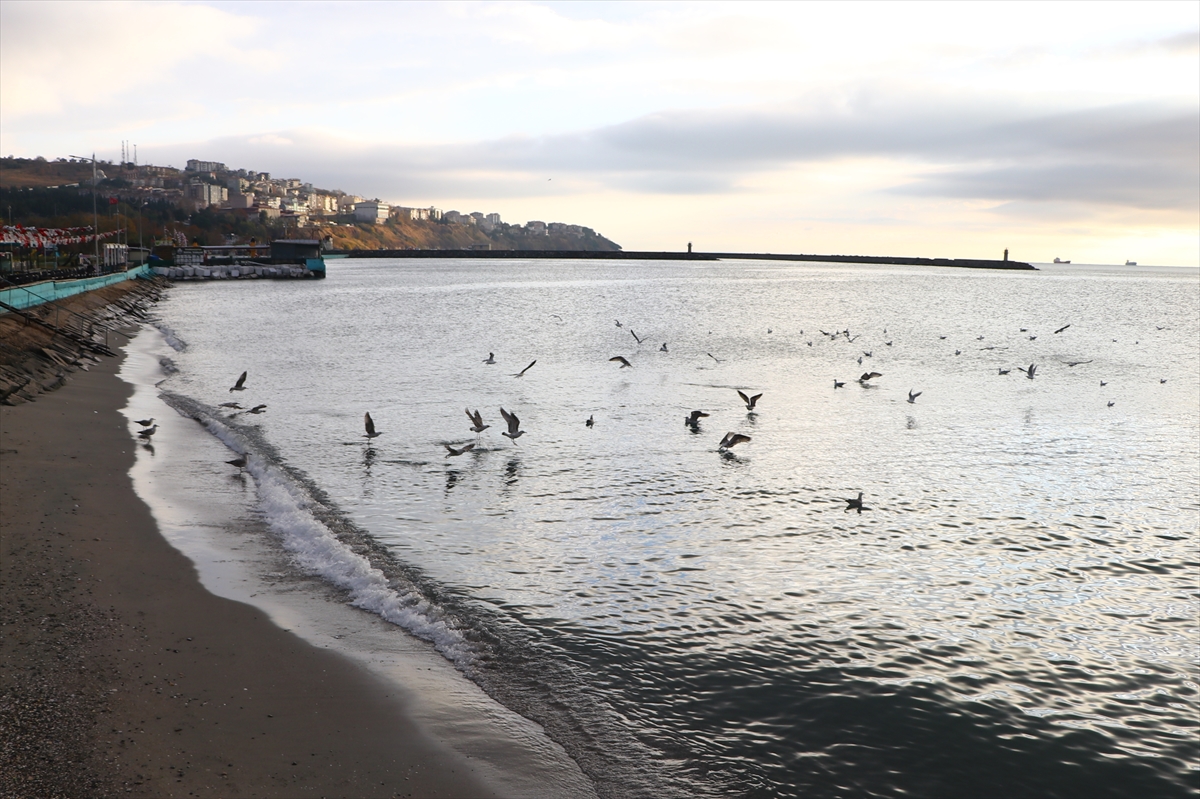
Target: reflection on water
[{"x": 1014, "y": 615}]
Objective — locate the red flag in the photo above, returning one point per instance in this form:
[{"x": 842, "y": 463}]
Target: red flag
[{"x": 112, "y": 201}]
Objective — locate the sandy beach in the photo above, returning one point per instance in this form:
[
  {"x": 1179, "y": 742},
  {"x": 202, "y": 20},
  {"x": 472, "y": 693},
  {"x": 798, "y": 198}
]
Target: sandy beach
[{"x": 123, "y": 676}]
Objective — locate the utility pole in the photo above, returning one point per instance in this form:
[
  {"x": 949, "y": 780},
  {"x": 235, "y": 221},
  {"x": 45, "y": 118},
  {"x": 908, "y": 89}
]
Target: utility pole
[{"x": 95, "y": 213}]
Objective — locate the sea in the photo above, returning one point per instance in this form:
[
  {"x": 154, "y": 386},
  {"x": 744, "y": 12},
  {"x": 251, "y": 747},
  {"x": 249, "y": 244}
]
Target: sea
[{"x": 1013, "y": 612}]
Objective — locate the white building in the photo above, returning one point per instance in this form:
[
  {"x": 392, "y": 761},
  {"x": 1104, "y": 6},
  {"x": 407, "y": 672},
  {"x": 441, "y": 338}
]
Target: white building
[{"x": 371, "y": 212}]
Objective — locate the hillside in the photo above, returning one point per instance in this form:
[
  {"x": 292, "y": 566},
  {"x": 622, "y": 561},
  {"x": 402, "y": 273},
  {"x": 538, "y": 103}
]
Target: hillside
[{"x": 421, "y": 235}]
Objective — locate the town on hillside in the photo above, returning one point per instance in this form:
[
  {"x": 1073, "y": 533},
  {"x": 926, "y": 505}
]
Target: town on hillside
[{"x": 209, "y": 203}]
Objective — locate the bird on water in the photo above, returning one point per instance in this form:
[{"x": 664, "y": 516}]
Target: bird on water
[
  {"x": 239, "y": 462},
  {"x": 750, "y": 401},
  {"x": 145, "y": 422},
  {"x": 1005, "y": 371},
  {"x": 452, "y": 452},
  {"x": 619, "y": 359},
  {"x": 240, "y": 385},
  {"x": 514, "y": 425},
  {"x": 693, "y": 418},
  {"x": 591, "y": 420},
  {"x": 477, "y": 425},
  {"x": 663, "y": 348},
  {"x": 732, "y": 440},
  {"x": 839, "y": 383},
  {"x": 855, "y": 504},
  {"x": 149, "y": 431},
  {"x": 369, "y": 424},
  {"x": 491, "y": 358}
]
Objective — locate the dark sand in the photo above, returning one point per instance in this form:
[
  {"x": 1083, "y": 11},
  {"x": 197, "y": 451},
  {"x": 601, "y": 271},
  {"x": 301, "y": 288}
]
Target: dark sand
[{"x": 121, "y": 675}]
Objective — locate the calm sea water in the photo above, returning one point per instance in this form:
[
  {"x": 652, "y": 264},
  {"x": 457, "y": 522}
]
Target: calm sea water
[{"x": 1016, "y": 614}]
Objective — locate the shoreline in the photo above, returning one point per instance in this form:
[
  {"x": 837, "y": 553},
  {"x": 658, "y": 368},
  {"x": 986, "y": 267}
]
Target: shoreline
[{"x": 124, "y": 675}]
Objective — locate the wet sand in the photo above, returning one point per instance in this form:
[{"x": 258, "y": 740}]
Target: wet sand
[{"x": 121, "y": 675}]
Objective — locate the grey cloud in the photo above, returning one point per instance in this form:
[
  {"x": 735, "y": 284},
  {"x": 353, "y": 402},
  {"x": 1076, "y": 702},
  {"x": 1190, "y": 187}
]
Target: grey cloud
[{"x": 1144, "y": 155}]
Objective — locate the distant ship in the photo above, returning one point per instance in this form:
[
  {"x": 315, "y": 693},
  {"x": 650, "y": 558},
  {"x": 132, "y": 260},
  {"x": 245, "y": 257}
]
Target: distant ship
[
  {"x": 1131, "y": 263},
  {"x": 1061, "y": 261}
]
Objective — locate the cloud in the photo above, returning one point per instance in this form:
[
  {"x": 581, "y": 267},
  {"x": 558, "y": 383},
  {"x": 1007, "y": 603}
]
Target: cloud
[
  {"x": 1138, "y": 155},
  {"x": 67, "y": 55}
]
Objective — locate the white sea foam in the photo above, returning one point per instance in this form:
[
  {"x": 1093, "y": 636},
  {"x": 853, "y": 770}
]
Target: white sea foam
[{"x": 289, "y": 512}]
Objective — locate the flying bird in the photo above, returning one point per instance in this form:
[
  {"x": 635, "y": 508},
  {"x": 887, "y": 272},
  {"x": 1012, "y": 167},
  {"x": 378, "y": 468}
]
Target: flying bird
[
  {"x": 1162, "y": 380},
  {"x": 145, "y": 422},
  {"x": 452, "y": 452},
  {"x": 663, "y": 348},
  {"x": 591, "y": 420},
  {"x": 868, "y": 376},
  {"x": 868, "y": 354},
  {"x": 1103, "y": 383},
  {"x": 732, "y": 440},
  {"x": 856, "y": 504},
  {"x": 1076, "y": 363},
  {"x": 618, "y": 323},
  {"x": 912, "y": 398},
  {"x": 750, "y": 401},
  {"x": 1005, "y": 371},
  {"x": 239, "y": 462},
  {"x": 958, "y": 352},
  {"x": 621, "y": 360},
  {"x": 887, "y": 343},
  {"x": 369, "y": 424},
  {"x": 715, "y": 358},
  {"x": 477, "y": 425},
  {"x": 491, "y": 358},
  {"x": 1061, "y": 329},
  {"x": 1030, "y": 371},
  {"x": 1111, "y": 403},
  {"x": 1033, "y": 338},
  {"x": 240, "y": 385},
  {"x": 232, "y": 405},
  {"x": 257, "y": 409},
  {"x": 526, "y": 369},
  {"x": 693, "y": 418},
  {"x": 514, "y": 425},
  {"x": 635, "y": 336}
]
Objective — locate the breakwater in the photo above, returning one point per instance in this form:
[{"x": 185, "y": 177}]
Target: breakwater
[
  {"x": 645, "y": 255},
  {"x": 238, "y": 272}
]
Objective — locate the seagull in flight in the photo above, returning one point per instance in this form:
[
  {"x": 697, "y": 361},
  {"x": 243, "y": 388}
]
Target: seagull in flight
[
  {"x": 866, "y": 376},
  {"x": 1061, "y": 329},
  {"x": 1103, "y": 383},
  {"x": 732, "y": 440},
  {"x": 618, "y": 323},
  {"x": 693, "y": 418},
  {"x": 232, "y": 405},
  {"x": 715, "y": 358},
  {"x": 239, "y": 462},
  {"x": 856, "y": 504},
  {"x": 526, "y": 369},
  {"x": 369, "y": 424},
  {"x": 452, "y": 452},
  {"x": 1111, "y": 403},
  {"x": 1076, "y": 363},
  {"x": 663, "y": 348},
  {"x": 912, "y": 398},
  {"x": 240, "y": 385},
  {"x": 1030, "y": 371},
  {"x": 621, "y": 360},
  {"x": 635, "y": 336},
  {"x": 257, "y": 409},
  {"x": 514, "y": 425},
  {"x": 750, "y": 401},
  {"x": 491, "y": 358},
  {"x": 477, "y": 425}
]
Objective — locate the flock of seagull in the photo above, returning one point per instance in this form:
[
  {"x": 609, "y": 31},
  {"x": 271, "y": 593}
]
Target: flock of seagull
[{"x": 692, "y": 420}]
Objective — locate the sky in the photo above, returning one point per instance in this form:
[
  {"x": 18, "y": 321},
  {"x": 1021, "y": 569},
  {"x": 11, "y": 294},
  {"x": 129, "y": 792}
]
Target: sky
[{"x": 1065, "y": 130}]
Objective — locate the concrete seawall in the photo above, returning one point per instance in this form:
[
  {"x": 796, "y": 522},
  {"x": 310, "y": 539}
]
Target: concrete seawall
[{"x": 622, "y": 255}]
